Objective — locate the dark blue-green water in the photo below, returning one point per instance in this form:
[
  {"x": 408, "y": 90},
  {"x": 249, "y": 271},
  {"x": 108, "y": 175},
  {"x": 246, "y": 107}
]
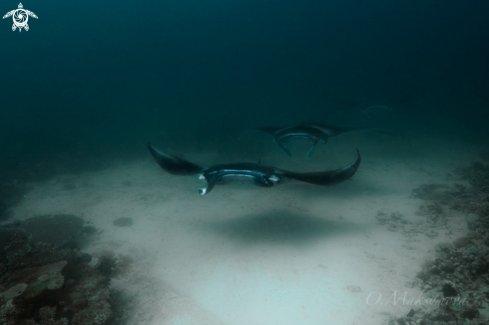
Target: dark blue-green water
[{"x": 103, "y": 72}]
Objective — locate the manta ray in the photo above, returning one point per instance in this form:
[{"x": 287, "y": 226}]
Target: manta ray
[
  {"x": 315, "y": 132},
  {"x": 260, "y": 175}
]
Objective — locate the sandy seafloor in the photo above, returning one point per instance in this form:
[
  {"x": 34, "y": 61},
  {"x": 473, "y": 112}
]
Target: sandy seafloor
[{"x": 245, "y": 255}]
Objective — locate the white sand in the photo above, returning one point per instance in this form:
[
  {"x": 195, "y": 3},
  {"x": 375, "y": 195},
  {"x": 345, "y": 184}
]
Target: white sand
[{"x": 245, "y": 255}]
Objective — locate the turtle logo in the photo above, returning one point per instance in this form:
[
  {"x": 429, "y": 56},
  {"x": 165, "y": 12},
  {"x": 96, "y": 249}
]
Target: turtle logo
[{"x": 20, "y": 17}]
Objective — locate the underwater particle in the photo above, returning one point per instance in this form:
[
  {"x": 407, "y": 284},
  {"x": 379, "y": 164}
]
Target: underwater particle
[
  {"x": 123, "y": 222},
  {"x": 14, "y": 291}
]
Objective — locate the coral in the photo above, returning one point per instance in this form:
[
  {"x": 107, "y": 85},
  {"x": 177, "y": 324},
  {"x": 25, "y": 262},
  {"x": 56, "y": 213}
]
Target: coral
[
  {"x": 51, "y": 321},
  {"x": 47, "y": 312},
  {"x": 15, "y": 244},
  {"x": 46, "y": 277},
  {"x": 460, "y": 270},
  {"x": 47, "y": 281},
  {"x": 14, "y": 291}
]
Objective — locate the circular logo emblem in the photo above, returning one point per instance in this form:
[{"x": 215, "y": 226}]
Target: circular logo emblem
[{"x": 20, "y": 17}]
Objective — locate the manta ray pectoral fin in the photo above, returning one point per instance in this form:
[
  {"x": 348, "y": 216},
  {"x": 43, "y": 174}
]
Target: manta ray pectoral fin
[
  {"x": 281, "y": 145},
  {"x": 328, "y": 177},
  {"x": 311, "y": 151},
  {"x": 172, "y": 164}
]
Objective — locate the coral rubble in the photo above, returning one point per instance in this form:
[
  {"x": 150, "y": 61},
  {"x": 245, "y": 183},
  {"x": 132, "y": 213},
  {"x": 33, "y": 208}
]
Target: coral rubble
[
  {"x": 460, "y": 272},
  {"x": 46, "y": 280}
]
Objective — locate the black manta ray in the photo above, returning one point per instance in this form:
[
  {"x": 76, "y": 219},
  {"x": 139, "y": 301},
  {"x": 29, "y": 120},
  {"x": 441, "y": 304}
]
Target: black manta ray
[
  {"x": 260, "y": 175},
  {"x": 315, "y": 132},
  {"x": 379, "y": 111}
]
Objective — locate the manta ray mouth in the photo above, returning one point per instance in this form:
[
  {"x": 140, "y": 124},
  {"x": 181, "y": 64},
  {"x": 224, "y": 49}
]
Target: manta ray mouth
[
  {"x": 275, "y": 179},
  {"x": 202, "y": 191}
]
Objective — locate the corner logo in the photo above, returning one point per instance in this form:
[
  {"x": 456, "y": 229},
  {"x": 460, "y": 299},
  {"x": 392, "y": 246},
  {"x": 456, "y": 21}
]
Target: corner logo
[{"x": 20, "y": 17}]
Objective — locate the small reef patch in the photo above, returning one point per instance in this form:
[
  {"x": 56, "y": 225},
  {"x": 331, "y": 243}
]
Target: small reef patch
[
  {"x": 456, "y": 281},
  {"x": 45, "y": 279}
]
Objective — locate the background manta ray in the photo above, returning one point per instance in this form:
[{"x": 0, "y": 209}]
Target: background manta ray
[
  {"x": 315, "y": 132},
  {"x": 377, "y": 111}
]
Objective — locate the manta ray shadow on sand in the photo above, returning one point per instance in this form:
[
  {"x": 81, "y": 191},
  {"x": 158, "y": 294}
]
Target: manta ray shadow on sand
[{"x": 278, "y": 226}]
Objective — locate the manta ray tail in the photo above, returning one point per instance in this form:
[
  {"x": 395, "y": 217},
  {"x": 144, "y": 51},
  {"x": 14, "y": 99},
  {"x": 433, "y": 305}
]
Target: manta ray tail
[
  {"x": 172, "y": 164},
  {"x": 329, "y": 177}
]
